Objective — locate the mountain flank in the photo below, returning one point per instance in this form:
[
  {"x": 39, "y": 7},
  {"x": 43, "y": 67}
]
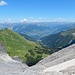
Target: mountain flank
[
  {"x": 59, "y": 40},
  {"x": 8, "y": 66},
  {"x": 56, "y": 64},
  {"x": 16, "y": 45}
]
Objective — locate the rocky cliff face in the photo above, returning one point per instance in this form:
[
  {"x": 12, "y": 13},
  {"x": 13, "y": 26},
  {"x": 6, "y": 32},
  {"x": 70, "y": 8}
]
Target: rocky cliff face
[
  {"x": 8, "y": 66},
  {"x": 59, "y": 63},
  {"x": 55, "y": 63}
]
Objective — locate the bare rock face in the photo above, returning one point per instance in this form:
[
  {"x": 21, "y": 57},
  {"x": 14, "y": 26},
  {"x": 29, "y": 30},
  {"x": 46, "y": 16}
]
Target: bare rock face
[
  {"x": 69, "y": 71},
  {"x": 60, "y": 57},
  {"x": 8, "y": 66},
  {"x": 60, "y": 60},
  {"x": 17, "y": 58},
  {"x": 56, "y": 58}
]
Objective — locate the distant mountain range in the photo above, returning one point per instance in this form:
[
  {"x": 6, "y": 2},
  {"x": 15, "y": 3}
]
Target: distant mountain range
[
  {"x": 59, "y": 40},
  {"x": 38, "y": 30}
]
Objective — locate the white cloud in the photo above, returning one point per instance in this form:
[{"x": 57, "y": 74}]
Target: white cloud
[
  {"x": 40, "y": 18},
  {"x": 60, "y": 18},
  {"x": 9, "y": 19},
  {"x": 23, "y": 20},
  {"x": 2, "y": 3},
  {"x": 31, "y": 17}
]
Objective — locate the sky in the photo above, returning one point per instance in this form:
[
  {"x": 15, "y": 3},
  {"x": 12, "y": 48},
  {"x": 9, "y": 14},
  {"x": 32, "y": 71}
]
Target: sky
[{"x": 37, "y": 10}]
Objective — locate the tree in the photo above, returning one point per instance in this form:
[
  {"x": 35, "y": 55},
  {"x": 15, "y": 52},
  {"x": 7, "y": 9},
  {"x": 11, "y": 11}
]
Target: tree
[
  {"x": 31, "y": 52},
  {"x": 31, "y": 58}
]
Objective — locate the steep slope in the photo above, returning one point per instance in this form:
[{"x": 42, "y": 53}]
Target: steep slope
[
  {"x": 64, "y": 58},
  {"x": 61, "y": 66},
  {"x": 59, "y": 63},
  {"x": 16, "y": 45},
  {"x": 28, "y": 37},
  {"x": 61, "y": 56},
  {"x": 8, "y": 66},
  {"x": 60, "y": 40}
]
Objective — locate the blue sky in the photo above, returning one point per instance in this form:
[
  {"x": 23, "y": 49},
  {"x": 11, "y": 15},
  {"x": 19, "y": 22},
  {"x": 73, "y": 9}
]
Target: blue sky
[{"x": 37, "y": 10}]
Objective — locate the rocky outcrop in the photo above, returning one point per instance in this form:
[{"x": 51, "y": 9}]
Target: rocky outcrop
[
  {"x": 60, "y": 57},
  {"x": 56, "y": 58},
  {"x": 8, "y": 66},
  {"x": 59, "y": 63}
]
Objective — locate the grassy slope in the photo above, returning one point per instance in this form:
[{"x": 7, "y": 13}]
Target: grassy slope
[{"x": 15, "y": 44}]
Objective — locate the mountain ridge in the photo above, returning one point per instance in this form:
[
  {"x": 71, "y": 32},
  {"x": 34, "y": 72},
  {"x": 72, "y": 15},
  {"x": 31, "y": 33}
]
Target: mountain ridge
[
  {"x": 59, "y": 40},
  {"x": 16, "y": 45},
  {"x": 41, "y": 68},
  {"x": 38, "y": 30}
]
